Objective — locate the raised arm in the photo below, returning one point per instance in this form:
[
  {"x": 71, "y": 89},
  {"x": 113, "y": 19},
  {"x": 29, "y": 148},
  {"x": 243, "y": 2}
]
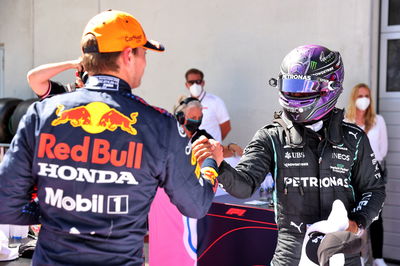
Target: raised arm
[{"x": 39, "y": 77}]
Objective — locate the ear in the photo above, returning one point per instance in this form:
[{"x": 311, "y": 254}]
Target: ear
[
  {"x": 187, "y": 85},
  {"x": 203, "y": 83},
  {"x": 127, "y": 56}
]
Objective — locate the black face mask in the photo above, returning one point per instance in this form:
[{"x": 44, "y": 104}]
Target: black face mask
[{"x": 192, "y": 125}]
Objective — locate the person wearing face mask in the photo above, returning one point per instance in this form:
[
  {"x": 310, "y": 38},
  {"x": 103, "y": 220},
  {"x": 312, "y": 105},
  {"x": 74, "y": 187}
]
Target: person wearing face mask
[
  {"x": 215, "y": 115},
  {"x": 173, "y": 236},
  {"x": 189, "y": 113},
  {"x": 361, "y": 111}
]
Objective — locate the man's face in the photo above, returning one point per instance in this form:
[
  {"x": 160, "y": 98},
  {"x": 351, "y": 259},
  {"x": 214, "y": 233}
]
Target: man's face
[
  {"x": 193, "y": 117},
  {"x": 194, "y": 78},
  {"x": 194, "y": 113},
  {"x": 139, "y": 64}
]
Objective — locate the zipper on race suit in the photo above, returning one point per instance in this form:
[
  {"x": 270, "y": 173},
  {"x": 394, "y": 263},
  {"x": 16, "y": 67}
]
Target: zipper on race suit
[
  {"x": 285, "y": 189},
  {"x": 323, "y": 148},
  {"x": 301, "y": 189}
]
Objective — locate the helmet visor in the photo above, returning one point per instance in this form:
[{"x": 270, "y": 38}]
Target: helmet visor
[{"x": 299, "y": 87}]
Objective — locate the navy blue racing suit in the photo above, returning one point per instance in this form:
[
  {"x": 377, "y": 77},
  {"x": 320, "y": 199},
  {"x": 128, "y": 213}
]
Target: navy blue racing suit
[{"x": 97, "y": 156}]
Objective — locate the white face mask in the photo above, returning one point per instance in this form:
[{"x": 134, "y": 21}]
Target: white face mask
[
  {"x": 363, "y": 103},
  {"x": 195, "y": 90}
]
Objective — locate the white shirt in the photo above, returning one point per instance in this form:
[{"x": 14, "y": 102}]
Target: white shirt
[
  {"x": 214, "y": 114},
  {"x": 378, "y": 138}
]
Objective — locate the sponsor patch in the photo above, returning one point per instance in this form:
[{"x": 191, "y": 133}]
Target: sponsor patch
[
  {"x": 95, "y": 118},
  {"x": 96, "y": 203},
  {"x": 288, "y": 165},
  {"x": 294, "y": 155},
  {"x": 341, "y": 156},
  {"x": 93, "y": 150},
  {"x": 304, "y": 182},
  {"x": 78, "y": 174},
  {"x": 339, "y": 168}
]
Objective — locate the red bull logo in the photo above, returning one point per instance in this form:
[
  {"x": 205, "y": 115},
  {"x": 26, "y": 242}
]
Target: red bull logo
[
  {"x": 114, "y": 119},
  {"x": 96, "y": 117},
  {"x": 77, "y": 116},
  {"x": 93, "y": 150}
]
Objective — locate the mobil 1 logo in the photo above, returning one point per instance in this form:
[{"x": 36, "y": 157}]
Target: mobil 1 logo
[
  {"x": 95, "y": 203},
  {"x": 117, "y": 204}
]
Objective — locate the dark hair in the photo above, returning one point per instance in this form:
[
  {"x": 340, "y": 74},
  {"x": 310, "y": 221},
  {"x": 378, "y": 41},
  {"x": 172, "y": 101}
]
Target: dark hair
[
  {"x": 97, "y": 63},
  {"x": 194, "y": 71}
]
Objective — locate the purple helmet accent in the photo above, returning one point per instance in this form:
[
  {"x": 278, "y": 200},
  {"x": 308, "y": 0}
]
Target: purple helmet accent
[{"x": 310, "y": 82}]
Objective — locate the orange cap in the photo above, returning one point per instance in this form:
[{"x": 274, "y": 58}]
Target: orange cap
[{"x": 117, "y": 30}]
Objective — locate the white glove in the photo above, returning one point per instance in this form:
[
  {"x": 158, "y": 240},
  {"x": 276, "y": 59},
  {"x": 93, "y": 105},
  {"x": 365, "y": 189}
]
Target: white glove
[{"x": 337, "y": 221}]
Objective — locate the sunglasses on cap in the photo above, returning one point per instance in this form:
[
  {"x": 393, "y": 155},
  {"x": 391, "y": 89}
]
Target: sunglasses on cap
[{"x": 197, "y": 81}]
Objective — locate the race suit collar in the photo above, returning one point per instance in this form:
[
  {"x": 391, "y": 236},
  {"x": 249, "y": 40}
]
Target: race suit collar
[
  {"x": 335, "y": 132},
  {"x": 294, "y": 135},
  {"x": 107, "y": 83},
  {"x": 332, "y": 126}
]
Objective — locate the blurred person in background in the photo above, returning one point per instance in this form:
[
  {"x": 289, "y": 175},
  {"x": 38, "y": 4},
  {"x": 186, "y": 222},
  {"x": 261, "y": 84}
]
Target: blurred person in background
[
  {"x": 39, "y": 78},
  {"x": 215, "y": 115},
  {"x": 361, "y": 111},
  {"x": 189, "y": 114},
  {"x": 173, "y": 236}
]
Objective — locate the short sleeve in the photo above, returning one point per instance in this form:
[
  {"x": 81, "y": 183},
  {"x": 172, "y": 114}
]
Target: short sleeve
[
  {"x": 54, "y": 89},
  {"x": 221, "y": 111}
]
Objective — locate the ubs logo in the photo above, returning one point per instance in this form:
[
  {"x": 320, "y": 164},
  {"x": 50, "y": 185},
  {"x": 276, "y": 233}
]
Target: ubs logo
[{"x": 294, "y": 155}]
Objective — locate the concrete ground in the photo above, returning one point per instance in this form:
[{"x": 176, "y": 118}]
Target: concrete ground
[{"x": 26, "y": 262}]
